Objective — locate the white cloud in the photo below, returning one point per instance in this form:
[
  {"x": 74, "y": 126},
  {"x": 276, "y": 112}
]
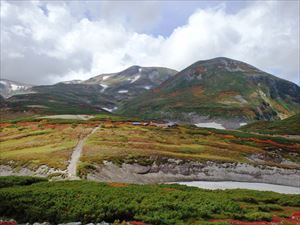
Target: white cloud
[
  {"x": 50, "y": 42},
  {"x": 266, "y": 34}
]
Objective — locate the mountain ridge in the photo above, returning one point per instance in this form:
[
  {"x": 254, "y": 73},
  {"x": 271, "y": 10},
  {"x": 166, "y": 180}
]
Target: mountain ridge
[
  {"x": 228, "y": 91},
  {"x": 223, "y": 91},
  {"x": 9, "y": 88},
  {"x": 91, "y": 96}
]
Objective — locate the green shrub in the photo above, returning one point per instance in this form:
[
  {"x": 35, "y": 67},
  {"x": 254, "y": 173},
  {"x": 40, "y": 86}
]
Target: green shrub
[
  {"x": 269, "y": 208},
  {"x": 9, "y": 181},
  {"x": 157, "y": 204},
  {"x": 83, "y": 169},
  {"x": 258, "y": 216}
]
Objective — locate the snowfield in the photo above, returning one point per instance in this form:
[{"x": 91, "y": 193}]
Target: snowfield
[
  {"x": 211, "y": 125},
  {"x": 67, "y": 116},
  {"x": 110, "y": 109},
  {"x": 105, "y": 77},
  {"x": 123, "y": 91},
  {"x": 104, "y": 87},
  {"x": 135, "y": 78}
]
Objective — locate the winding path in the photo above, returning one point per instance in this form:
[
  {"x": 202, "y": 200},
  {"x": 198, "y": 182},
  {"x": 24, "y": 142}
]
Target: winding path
[{"x": 72, "y": 167}]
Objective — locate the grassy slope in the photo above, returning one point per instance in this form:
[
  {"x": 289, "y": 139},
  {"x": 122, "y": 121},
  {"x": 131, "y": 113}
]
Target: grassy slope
[
  {"x": 33, "y": 141},
  {"x": 202, "y": 97},
  {"x": 289, "y": 126},
  {"x": 37, "y": 143},
  {"x": 155, "y": 204},
  {"x": 123, "y": 142}
]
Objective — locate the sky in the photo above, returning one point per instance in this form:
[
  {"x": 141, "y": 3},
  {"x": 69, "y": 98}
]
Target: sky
[{"x": 44, "y": 42}]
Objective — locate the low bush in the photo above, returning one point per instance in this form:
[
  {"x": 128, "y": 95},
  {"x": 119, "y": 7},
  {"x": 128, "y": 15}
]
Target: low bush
[
  {"x": 258, "y": 216},
  {"x": 86, "y": 201},
  {"x": 9, "y": 181}
]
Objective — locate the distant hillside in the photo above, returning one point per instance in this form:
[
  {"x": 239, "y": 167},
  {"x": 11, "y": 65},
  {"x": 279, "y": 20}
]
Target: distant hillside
[
  {"x": 2, "y": 101},
  {"x": 101, "y": 93},
  {"x": 222, "y": 90},
  {"x": 289, "y": 126},
  {"x": 9, "y": 88},
  {"x": 62, "y": 98}
]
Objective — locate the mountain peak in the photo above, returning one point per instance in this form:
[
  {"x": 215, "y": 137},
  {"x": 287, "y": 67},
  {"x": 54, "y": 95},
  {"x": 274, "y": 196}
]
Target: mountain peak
[
  {"x": 219, "y": 89},
  {"x": 226, "y": 64}
]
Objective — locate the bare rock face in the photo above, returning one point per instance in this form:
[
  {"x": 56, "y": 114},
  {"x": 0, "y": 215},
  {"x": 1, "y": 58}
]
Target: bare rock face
[
  {"x": 173, "y": 170},
  {"x": 179, "y": 170},
  {"x": 41, "y": 171}
]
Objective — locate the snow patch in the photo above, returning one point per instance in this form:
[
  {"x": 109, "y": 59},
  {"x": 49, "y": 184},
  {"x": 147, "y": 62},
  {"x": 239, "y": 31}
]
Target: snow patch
[
  {"x": 110, "y": 109},
  {"x": 69, "y": 116},
  {"x": 104, "y": 87},
  {"x": 123, "y": 91},
  {"x": 140, "y": 70},
  {"x": 243, "y": 124},
  {"x": 37, "y": 106},
  {"x": 135, "y": 78},
  {"x": 147, "y": 87},
  {"x": 16, "y": 87},
  {"x": 105, "y": 77},
  {"x": 72, "y": 82},
  {"x": 3, "y": 82},
  {"x": 211, "y": 125}
]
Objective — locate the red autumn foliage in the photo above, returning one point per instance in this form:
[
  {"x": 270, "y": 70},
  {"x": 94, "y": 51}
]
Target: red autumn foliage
[
  {"x": 269, "y": 142},
  {"x": 3, "y": 125},
  {"x": 8, "y": 223},
  {"x": 137, "y": 223},
  {"x": 229, "y": 136},
  {"x": 294, "y": 219},
  {"x": 296, "y": 215}
]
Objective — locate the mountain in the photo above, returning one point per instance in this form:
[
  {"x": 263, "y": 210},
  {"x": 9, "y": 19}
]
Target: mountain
[
  {"x": 9, "y": 88},
  {"x": 2, "y": 101},
  {"x": 101, "y": 93},
  {"x": 131, "y": 82},
  {"x": 221, "y": 90},
  {"x": 288, "y": 126},
  {"x": 62, "y": 98}
]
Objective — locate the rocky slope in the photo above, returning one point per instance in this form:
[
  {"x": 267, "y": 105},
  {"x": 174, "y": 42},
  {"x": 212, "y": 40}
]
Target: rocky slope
[
  {"x": 220, "y": 90},
  {"x": 182, "y": 170},
  {"x": 172, "y": 170}
]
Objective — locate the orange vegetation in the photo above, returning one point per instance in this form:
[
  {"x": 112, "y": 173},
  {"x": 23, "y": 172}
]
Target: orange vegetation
[{"x": 114, "y": 184}]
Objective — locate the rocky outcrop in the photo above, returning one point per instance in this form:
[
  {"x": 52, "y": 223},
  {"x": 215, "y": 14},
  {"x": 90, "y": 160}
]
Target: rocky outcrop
[
  {"x": 172, "y": 170},
  {"x": 41, "y": 171},
  {"x": 180, "y": 170}
]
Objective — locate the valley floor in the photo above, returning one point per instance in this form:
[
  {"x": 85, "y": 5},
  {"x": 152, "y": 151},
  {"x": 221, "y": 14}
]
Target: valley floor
[{"x": 122, "y": 151}]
